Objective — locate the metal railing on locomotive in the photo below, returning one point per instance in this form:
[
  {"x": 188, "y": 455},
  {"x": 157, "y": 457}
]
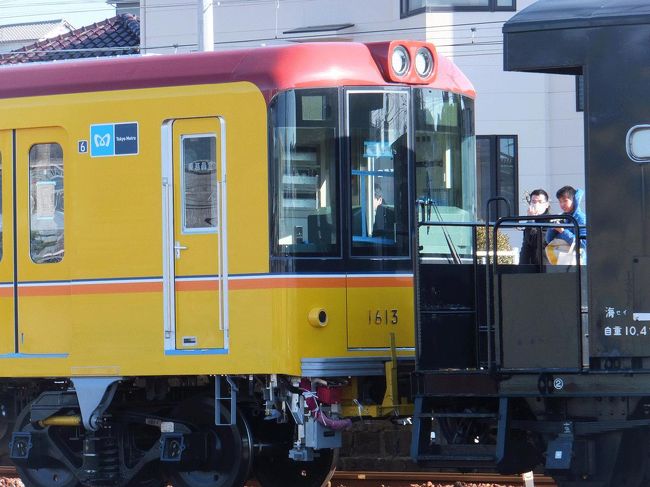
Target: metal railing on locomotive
[
  {"x": 551, "y": 295},
  {"x": 448, "y": 283},
  {"x": 489, "y": 320}
]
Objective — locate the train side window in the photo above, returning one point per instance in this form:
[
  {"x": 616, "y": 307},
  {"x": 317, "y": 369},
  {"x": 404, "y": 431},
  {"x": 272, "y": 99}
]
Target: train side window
[
  {"x": 638, "y": 144},
  {"x": 378, "y": 128},
  {"x": 199, "y": 183},
  {"x": 46, "y": 203},
  {"x": 304, "y": 149}
]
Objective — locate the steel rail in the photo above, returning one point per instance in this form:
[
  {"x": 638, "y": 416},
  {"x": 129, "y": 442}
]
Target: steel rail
[
  {"x": 8, "y": 471},
  {"x": 407, "y": 479},
  {"x": 396, "y": 479}
]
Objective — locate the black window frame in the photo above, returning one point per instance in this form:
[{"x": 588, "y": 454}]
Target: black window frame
[
  {"x": 492, "y": 6},
  {"x": 337, "y": 254},
  {"x": 350, "y": 250},
  {"x": 495, "y": 182},
  {"x": 344, "y": 262},
  {"x": 580, "y": 93}
]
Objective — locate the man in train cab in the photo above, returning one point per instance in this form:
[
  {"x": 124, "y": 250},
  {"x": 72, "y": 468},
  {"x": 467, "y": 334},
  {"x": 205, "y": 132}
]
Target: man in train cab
[
  {"x": 384, "y": 217},
  {"x": 569, "y": 199}
]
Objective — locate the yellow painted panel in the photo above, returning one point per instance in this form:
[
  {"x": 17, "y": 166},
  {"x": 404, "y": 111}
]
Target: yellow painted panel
[
  {"x": 311, "y": 341},
  {"x": 43, "y": 314},
  {"x": 122, "y": 330},
  {"x": 7, "y": 322},
  {"x": 7, "y": 332},
  {"x": 374, "y": 313},
  {"x": 197, "y": 320}
]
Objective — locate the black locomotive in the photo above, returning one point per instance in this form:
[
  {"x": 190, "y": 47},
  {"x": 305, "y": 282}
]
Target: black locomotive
[{"x": 523, "y": 367}]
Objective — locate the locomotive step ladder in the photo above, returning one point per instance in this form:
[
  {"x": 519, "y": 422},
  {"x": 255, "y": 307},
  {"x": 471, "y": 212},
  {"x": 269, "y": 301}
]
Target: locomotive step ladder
[{"x": 452, "y": 439}]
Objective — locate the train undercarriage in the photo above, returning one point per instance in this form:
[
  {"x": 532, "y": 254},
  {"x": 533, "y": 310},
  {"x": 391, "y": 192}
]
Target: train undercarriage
[
  {"x": 588, "y": 429},
  {"x": 188, "y": 432},
  {"x": 511, "y": 376}
]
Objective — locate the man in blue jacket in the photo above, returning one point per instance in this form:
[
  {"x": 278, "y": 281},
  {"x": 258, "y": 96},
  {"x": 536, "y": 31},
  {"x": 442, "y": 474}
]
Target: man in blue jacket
[{"x": 569, "y": 199}]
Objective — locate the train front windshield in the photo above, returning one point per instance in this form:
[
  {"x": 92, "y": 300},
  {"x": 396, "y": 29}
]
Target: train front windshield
[{"x": 340, "y": 167}]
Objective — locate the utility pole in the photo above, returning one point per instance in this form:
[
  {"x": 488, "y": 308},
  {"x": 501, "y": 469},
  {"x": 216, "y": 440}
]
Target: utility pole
[
  {"x": 205, "y": 19},
  {"x": 143, "y": 27}
]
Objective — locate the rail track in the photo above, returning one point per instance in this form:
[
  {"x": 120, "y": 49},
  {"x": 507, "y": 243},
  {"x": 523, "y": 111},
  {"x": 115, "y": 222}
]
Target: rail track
[
  {"x": 7, "y": 471},
  {"x": 411, "y": 479},
  {"x": 398, "y": 479}
]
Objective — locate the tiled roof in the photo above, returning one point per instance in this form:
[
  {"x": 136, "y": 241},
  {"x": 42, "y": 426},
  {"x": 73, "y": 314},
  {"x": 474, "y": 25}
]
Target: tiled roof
[
  {"x": 31, "y": 30},
  {"x": 116, "y": 36}
]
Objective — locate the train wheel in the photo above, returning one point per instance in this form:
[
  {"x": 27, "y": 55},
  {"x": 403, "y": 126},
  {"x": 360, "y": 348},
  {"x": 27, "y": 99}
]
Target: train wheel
[
  {"x": 61, "y": 473},
  {"x": 274, "y": 468},
  {"x": 149, "y": 476},
  {"x": 47, "y": 477},
  {"x": 232, "y": 463}
]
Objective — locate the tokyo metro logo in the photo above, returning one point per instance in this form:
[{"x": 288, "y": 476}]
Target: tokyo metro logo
[
  {"x": 102, "y": 141},
  {"x": 114, "y": 139}
]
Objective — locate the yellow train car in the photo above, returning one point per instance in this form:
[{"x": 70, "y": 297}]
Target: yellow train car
[{"x": 201, "y": 254}]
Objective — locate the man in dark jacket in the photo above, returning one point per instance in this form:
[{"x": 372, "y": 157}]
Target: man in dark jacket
[
  {"x": 384, "y": 222},
  {"x": 533, "y": 243}
]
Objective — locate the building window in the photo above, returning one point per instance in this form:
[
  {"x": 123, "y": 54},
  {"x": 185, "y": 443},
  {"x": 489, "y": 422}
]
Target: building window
[
  {"x": 414, "y": 7},
  {"x": 580, "y": 93},
  {"x": 497, "y": 160}
]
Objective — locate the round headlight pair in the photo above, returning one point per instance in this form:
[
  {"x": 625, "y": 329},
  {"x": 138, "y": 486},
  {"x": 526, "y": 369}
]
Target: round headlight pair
[{"x": 401, "y": 62}]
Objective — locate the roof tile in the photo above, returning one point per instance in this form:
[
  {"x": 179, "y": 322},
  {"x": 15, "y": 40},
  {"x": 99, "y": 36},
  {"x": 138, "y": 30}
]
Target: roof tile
[{"x": 97, "y": 40}]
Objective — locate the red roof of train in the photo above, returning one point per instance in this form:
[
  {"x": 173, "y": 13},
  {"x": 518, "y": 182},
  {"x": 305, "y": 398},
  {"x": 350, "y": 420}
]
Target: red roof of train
[{"x": 270, "y": 68}]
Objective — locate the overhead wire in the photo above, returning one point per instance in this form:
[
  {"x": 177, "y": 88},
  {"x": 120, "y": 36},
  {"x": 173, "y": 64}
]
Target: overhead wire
[{"x": 437, "y": 29}]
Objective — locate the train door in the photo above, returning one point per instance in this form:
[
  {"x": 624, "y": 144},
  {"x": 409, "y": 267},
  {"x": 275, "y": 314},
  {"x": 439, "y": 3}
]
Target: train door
[
  {"x": 7, "y": 321},
  {"x": 380, "y": 296},
  {"x": 195, "y": 291},
  {"x": 40, "y": 264}
]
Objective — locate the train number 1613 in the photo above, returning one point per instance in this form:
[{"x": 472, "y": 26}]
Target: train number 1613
[{"x": 383, "y": 317}]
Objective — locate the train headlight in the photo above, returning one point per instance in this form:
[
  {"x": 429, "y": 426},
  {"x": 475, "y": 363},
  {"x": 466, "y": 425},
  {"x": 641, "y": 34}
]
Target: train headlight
[
  {"x": 424, "y": 62},
  {"x": 400, "y": 61}
]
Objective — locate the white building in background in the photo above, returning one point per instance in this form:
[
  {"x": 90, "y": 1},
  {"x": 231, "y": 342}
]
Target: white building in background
[
  {"x": 125, "y": 7},
  {"x": 530, "y": 133},
  {"x": 15, "y": 36}
]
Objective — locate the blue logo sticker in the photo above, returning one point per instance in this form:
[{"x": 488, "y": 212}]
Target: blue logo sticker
[
  {"x": 126, "y": 138},
  {"x": 114, "y": 139},
  {"x": 102, "y": 140}
]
